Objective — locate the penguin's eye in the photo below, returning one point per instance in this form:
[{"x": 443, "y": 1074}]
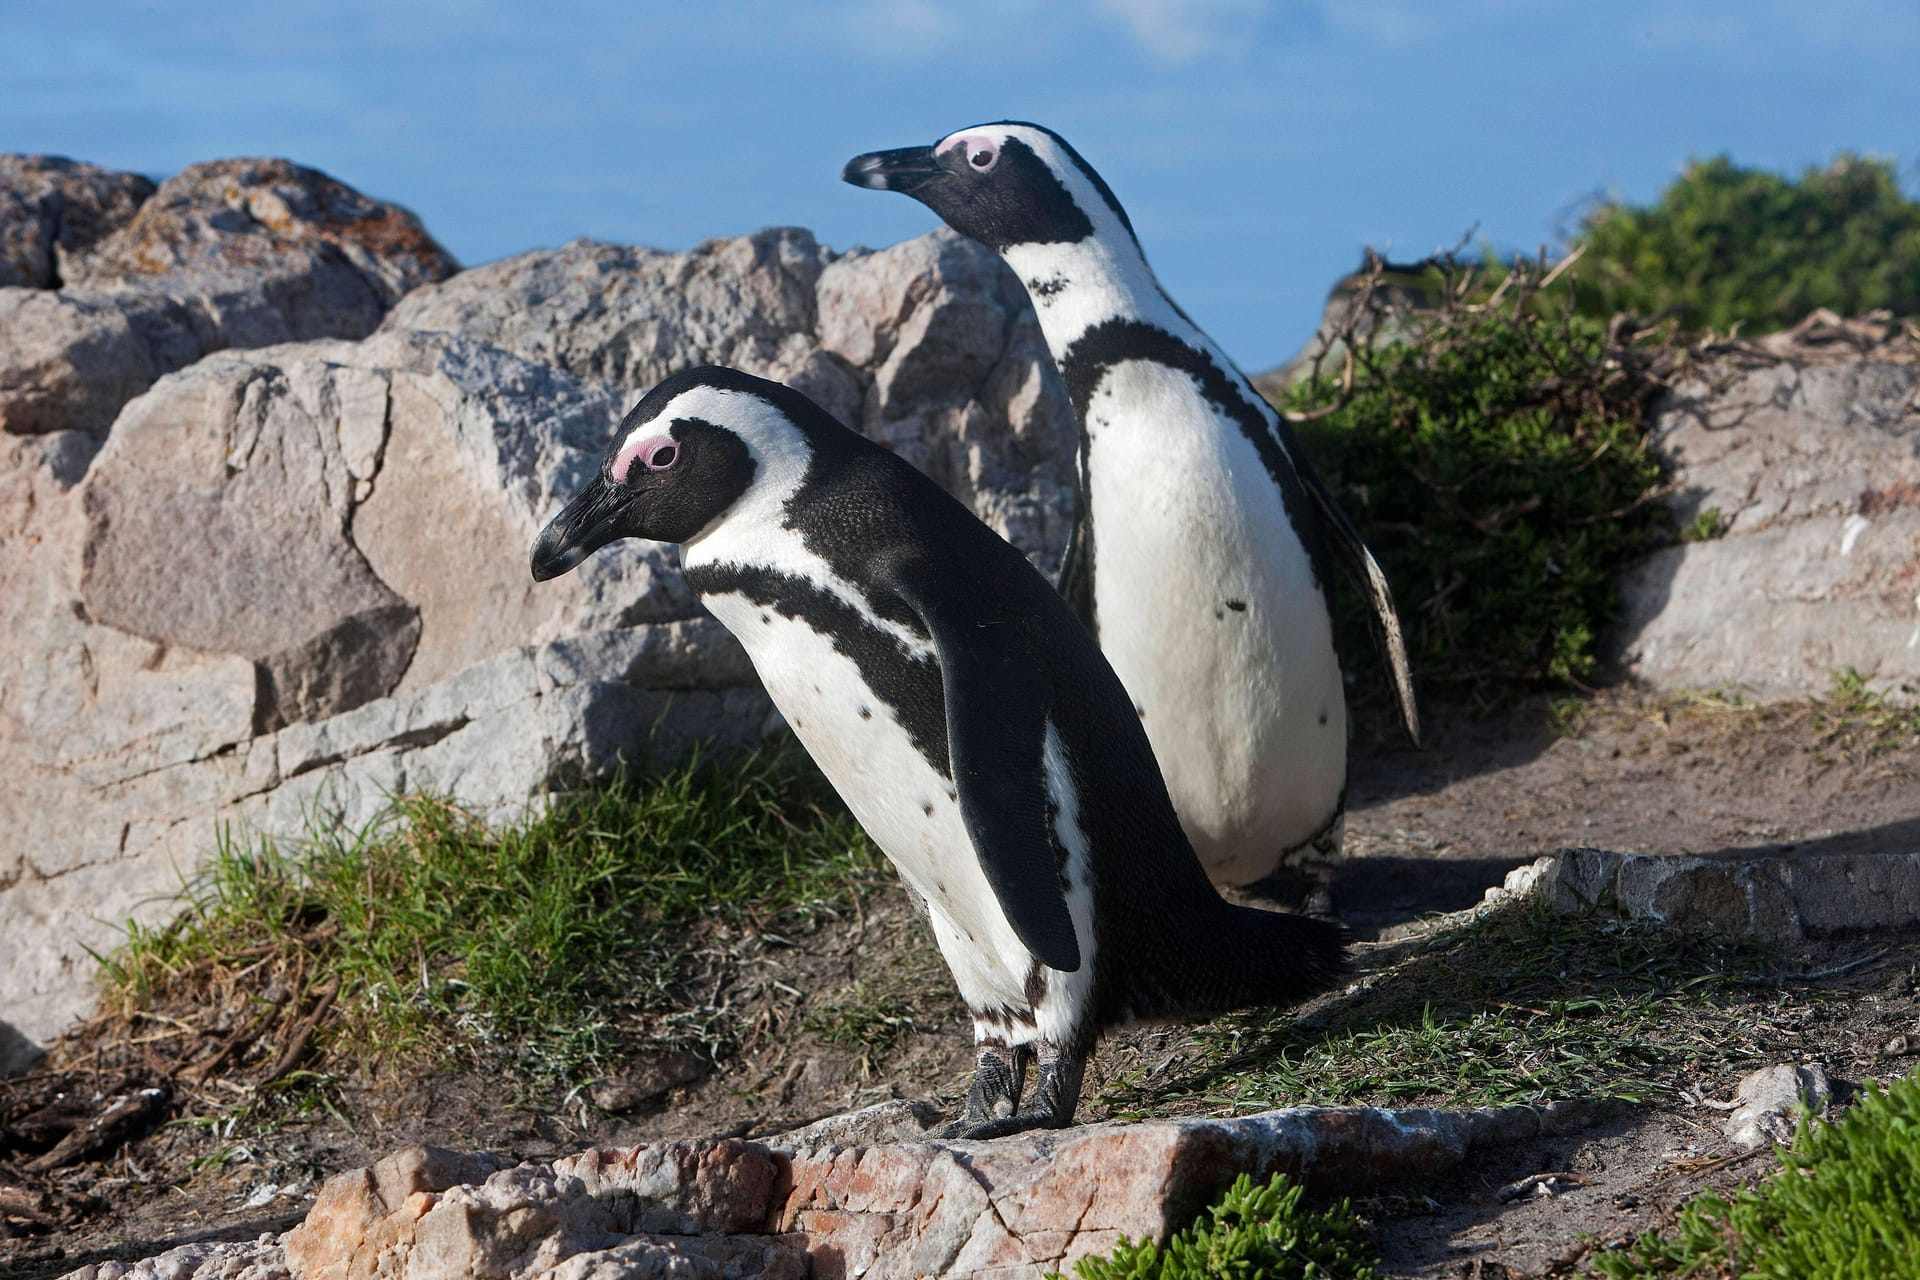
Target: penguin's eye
[
  {"x": 982, "y": 155},
  {"x": 657, "y": 454}
]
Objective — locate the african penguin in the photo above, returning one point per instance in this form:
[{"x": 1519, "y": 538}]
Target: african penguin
[
  {"x": 1200, "y": 553},
  {"x": 964, "y": 714}
]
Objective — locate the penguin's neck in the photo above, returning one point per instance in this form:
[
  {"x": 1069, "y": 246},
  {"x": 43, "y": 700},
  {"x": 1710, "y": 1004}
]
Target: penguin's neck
[{"x": 1076, "y": 287}]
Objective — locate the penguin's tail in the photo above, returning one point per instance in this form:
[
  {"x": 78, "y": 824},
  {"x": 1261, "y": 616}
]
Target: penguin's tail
[{"x": 1262, "y": 959}]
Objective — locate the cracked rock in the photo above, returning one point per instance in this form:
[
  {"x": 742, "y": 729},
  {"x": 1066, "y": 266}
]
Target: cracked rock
[{"x": 1016, "y": 1209}]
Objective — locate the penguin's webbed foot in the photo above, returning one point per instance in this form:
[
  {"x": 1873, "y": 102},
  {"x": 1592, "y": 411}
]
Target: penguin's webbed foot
[
  {"x": 999, "y": 1076},
  {"x": 1054, "y": 1099}
]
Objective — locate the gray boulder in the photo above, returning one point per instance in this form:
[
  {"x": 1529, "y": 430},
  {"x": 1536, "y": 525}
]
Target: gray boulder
[
  {"x": 138, "y": 282},
  {"x": 928, "y": 346},
  {"x": 68, "y": 361},
  {"x": 54, "y": 210},
  {"x": 1810, "y": 455}
]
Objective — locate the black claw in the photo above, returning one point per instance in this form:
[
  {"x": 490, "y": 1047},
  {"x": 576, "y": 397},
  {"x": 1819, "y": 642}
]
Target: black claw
[{"x": 993, "y": 1103}]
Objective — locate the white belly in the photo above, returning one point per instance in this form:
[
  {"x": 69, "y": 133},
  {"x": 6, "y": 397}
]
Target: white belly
[
  {"x": 907, "y": 807},
  {"x": 1244, "y": 706}
]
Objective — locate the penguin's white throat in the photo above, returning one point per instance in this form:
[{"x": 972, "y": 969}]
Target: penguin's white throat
[{"x": 1077, "y": 286}]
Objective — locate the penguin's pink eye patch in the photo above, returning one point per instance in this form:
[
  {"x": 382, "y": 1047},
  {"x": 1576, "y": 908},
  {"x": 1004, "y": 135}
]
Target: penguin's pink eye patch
[
  {"x": 655, "y": 453},
  {"x": 979, "y": 151}
]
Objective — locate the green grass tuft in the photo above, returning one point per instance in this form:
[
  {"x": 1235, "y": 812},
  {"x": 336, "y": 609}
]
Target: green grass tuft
[
  {"x": 1704, "y": 527},
  {"x": 1844, "y": 1206},
  {"x": 1862, "y": 720},
  {"x": 1250, "y": 1234},
  {"x": 432, "y": 927}
]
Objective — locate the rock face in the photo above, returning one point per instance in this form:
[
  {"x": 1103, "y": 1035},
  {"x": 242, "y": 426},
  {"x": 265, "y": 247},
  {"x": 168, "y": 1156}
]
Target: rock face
[
  {"x": 1013, "y": 1210},
  {"x": 928, "y": 347},
  {"x": 122, "y": 283},
  {"x": 263, "y": 540},
  {"x": 1808, "y": 447}
]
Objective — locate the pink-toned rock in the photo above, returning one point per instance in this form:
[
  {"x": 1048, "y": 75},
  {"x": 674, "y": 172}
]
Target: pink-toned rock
[
  {"x": 674, "y": 1209},
  {"x": 353, "y": 1206},
  {"x": 1011, "y": 1210},
  {"x": 679, "y": 1188},
  {"x": 1024, "y": 1206}
]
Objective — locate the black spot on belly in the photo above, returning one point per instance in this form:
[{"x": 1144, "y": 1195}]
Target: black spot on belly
[
  {"x": 952, "y": 794},
  {"x": 1218, "y": 612},
  {"x": 1140, "y": 711},
  {"x": 866, "y": 713},
  {"x": 1045, "y": 289},
  {"x": 1115, "y": 341},
  {"x": 766, "y": 619},
  {"x": 1238, "y": 606},
  {"x": 926, "y": 807},
  {"x": 1323, "y": 715}
]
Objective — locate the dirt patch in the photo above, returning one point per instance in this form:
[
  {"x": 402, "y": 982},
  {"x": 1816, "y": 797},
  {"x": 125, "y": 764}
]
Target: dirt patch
[
  {"x": 855, "y": 1009},
  {"x": 1432, "y": 828}
]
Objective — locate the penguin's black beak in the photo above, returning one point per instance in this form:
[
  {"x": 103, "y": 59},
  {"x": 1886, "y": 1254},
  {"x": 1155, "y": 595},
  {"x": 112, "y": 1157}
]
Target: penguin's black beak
[
  {"x": 905, "y": 169},
  {"x": 593, "y": 519}
]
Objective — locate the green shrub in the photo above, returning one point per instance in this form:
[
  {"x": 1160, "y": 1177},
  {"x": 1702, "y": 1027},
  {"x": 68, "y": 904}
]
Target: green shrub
[
  {"x": 1845, "y": 1205},
  {"x": 1496, "y": 461},
  {"x": 1250, "y": 1234},
  {"x": 1726, "y": 245}
]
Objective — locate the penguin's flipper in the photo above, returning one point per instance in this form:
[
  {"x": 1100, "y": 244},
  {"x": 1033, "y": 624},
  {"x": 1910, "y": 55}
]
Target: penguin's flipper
[
  {"x": 997, "y": 697},
  {"x": 1359, "y": 561}
]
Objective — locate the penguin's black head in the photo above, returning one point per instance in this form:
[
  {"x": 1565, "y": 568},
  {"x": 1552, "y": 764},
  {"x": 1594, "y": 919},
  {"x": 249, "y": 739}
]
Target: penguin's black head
[
  {"x": 682, "y": 460},
  {"x": 1003, "y": 184}
]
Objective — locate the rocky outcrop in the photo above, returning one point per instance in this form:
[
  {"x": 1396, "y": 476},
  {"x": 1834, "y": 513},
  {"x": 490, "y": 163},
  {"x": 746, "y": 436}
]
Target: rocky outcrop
[
  {"x": 293, "y": 583},
  {"x": 1014, "y": 1209},
  {"x": 53, "y": 211},
  {"x": 1802, "y": 453},
  {"x": 291, "y": 580},
  {"x": 1780, "y": 899},
  {"x": 929, "y": 347},
  {"x": 122, "y": 282}
]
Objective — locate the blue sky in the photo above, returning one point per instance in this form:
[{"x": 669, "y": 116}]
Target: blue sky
[{"x": 1256, "y": 145}]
